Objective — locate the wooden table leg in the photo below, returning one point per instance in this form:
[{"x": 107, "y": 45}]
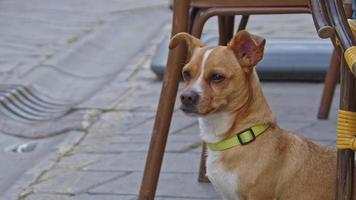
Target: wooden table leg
[{"x": 165, "y": 106}]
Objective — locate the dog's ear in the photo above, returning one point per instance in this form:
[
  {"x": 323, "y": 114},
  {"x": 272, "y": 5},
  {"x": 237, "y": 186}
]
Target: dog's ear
[
  {"x": 248, "y": 48},
  {"x": 189, "y": 41}
]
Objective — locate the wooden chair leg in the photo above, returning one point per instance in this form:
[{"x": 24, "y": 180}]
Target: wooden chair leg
[
  {"x": 165, "y": 107},
  {"x": 243, "y": 22},
  {"x": 202, "y": 171},
  {"x": 329, "y": 86},
  {"x": 332, "y": 74},
  {"x": 193, "y": 14},
  {"x": 198, "y": 24},
  {"x": 226, "y": 28}
]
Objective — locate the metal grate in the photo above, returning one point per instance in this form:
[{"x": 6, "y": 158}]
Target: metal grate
[{"x": 28, "y": 105}]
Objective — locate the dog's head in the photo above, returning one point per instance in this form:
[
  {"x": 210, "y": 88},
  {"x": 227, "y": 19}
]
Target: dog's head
[{"x": 216, "y": 78}]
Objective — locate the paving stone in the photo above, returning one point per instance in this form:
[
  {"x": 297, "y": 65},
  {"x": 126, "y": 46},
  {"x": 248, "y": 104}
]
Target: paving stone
[
  {"x": 185, "y": 140},
  {"x": 21, "y": 169},
  {"x": 145, "y": 98},
  {"x": 134, "y": 161},
  {"x": 126, "y": 138},
  {"x": 75, "y": 120},
  {"x": 179, "y": 121},
  {"x": 170, "y": 184},
  {"x": 103, "y": 147},
  {"x": 74, "y": 52},
  {"x": 323, "y": 129},
  {"x": 144, "y": 103},
  {"x": 301, "y": 114},
  {"x": 144, "y": 128},
  {"x": 78, "y": 197},
  {"x": 192, "y": 130},
  {"x": 116, "y": 139},
  {"x": 46, "y": 197},
  {"x": 96, "y": 49},
  {"x": 106, "y": 98},
  {"x": 327, "y": 143},
  {"x": 104, "y": 197},
  {"x": 137, "y": 98},
  {"x": 108, "y": 148},
  {"x": 293, "y": 126},
  {"x": 145, "y": 74},
  {"x": 78, "y": 161},
  {"x": 64, "y": 181},
  {"x": 102, "y": 141},
  {"x": 141, "y": 103},
  {"x": 294, "y": 95},
  {"x": 113, "y": 123},
  {"x": 291, "y": 87}
]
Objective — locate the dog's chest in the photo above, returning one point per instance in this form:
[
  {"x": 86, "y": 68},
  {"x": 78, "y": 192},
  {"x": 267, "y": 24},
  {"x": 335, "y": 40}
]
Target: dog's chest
[{"x": 225, "y": 182}]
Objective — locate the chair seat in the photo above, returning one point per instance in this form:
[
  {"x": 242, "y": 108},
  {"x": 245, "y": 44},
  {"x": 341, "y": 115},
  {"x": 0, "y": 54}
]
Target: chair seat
[{"x": 248, "y": 3}]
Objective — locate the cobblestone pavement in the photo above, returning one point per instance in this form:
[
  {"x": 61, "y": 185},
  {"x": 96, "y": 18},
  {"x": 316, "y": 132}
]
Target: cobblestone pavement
[
  {"x": 54, "y": 55},
  {"x": 63, "y": 52},
  {"x": 107, "y": 161}
]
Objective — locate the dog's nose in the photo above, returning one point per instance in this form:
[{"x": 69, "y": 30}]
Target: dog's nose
[{"x": 189, "y": 98}]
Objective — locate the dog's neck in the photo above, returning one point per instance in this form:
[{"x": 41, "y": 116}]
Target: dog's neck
[
  {"x": 218, "y": 126},
  {"x": 214, "y": 126}
]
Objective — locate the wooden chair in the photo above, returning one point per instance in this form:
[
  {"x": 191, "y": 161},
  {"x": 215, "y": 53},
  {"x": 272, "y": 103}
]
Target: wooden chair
[
  {"x": 190, "y": 16},
  {"x": 334, "y": 12},
  {"x": 332, "y": 74}
]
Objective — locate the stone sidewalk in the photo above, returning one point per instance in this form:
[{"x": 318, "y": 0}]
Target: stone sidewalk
[
  {"x": 54, "y": 57},
  {"x": 62, "y": 53},
  {"x": 106, "y": 163}
]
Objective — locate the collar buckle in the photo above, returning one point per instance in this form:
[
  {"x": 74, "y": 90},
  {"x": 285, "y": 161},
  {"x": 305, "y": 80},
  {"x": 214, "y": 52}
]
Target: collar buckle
[{"x": 251, "y": 137}]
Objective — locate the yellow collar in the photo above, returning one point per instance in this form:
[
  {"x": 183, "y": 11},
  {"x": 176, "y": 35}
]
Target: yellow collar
[{"x": 242, "y": 138}]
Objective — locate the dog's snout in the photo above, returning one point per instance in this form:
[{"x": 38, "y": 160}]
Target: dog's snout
[{"x": 189, "y": 98}]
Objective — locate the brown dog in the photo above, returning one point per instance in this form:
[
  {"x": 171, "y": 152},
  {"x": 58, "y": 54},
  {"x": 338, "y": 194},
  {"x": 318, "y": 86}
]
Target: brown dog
[{"x": 249, "y": 156}]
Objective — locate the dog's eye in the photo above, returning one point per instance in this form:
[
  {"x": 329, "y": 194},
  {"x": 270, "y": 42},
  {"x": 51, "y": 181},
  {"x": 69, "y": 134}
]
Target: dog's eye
[
  {"x": 217, "y": 78},
  {"x": 186, "y": 75}
]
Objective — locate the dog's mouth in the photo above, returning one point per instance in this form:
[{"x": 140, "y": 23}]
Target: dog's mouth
[
  {"x": 190, "y": 110},
  {"x": 194, "y": 112}
]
